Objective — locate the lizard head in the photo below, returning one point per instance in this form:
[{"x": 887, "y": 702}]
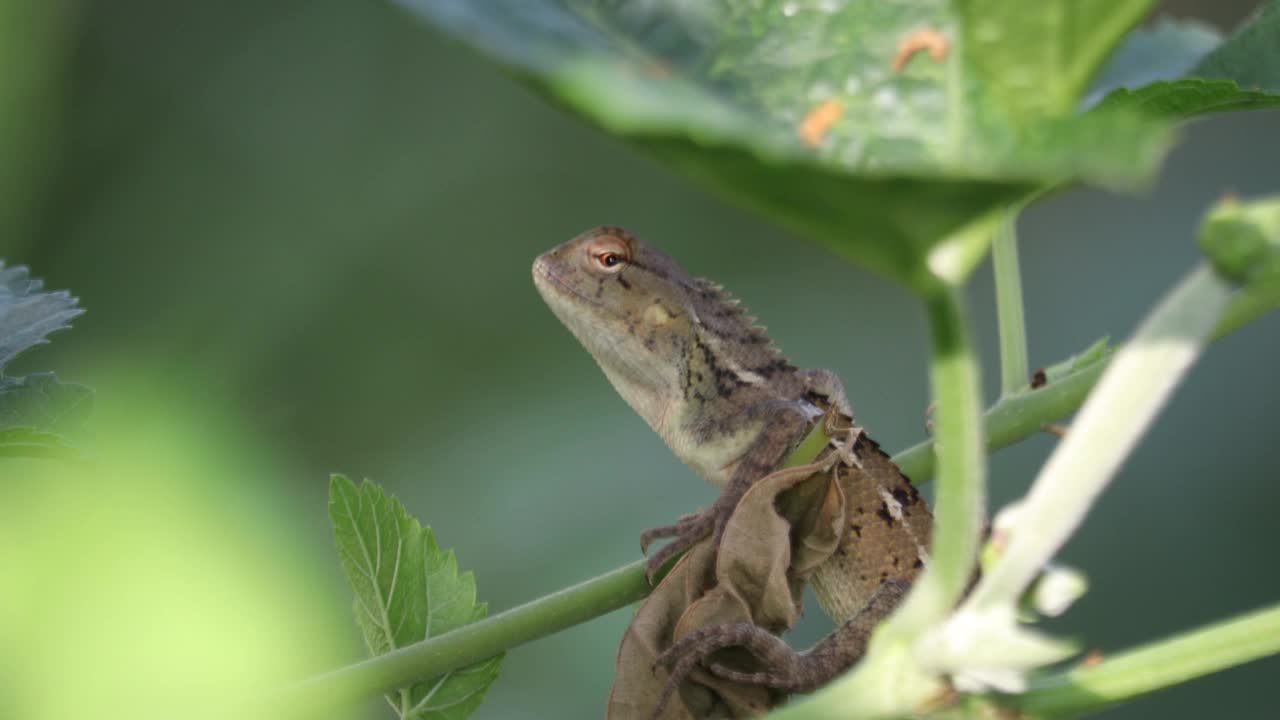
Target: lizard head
[{"x": 629, "y": 305}]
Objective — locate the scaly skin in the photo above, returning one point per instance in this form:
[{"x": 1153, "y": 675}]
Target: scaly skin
[{"x": 685, "y": 355}]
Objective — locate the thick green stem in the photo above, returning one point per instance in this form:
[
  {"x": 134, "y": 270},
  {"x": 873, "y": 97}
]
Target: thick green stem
[
  {"x": 1161, "y": 664},
  {"x": 471, "y": 643},
  {"x": 1013, "y": 328},
  {"x": 957, "y": 394}
]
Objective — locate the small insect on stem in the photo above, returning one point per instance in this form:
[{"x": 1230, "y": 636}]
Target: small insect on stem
[
  {"x": 923, "y": 39},
  {"x": 1039, "y": 379}
]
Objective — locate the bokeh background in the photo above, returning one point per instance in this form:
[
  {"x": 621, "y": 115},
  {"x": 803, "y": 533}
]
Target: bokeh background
[{"x": 303, "y": 229}]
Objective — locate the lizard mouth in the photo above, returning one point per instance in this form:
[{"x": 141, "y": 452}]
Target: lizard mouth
[{"x": 542, "y": 270}]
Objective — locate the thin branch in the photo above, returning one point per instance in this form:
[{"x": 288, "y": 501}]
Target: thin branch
[
  {"x": 1009, "y": 311},
  {"x": 1158, "y": 665}
]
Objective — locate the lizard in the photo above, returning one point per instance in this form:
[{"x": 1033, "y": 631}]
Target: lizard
[{"x": 686, "y": 356}]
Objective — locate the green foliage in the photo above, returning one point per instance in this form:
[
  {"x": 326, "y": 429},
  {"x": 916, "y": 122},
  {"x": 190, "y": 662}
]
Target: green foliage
[
  {"x": 40, "y": 402},
  {"x": 28, "y": 314},
  {"x": 1252, "y": 56},
  {"x": 1165, "y": 50},
  {"x": 1243, "y": 242},
  {"x": 897, "y": 134},
  {"x": 37, "y": 412},
  {"x": 1178, "y": 69},
  {"x": 1036, "y": 61},
  {"x": 809, "y": 113},
  {"x": 407, "y": 589},
  {"x": 29, "y": 442}
]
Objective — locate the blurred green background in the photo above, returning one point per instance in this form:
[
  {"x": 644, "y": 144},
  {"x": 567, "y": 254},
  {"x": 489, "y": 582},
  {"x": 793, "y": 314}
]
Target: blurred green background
[{"x": 303, "y": 231}]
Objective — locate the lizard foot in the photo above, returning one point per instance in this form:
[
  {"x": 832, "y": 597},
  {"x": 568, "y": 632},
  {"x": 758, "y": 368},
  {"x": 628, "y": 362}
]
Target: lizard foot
[
  {"x": 783, "y": 668},
  {"x": 786, "y": 669},
  {"x": 680, "y": 527},
  {"x": 687, "y": 532}
]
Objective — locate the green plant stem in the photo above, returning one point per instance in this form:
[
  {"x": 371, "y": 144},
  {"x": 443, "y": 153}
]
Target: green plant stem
[
  {"x": 1138, "y": 382},
  {"x": 1247, "y": 304},
  {"x": 1009, "y": 312},
  {"x": 957, "y": 394},
  {"x": 1158, "y": 665},
  {"x": 470, "y": 644},
  {"x": 1013, "y": 418},
  {"x": 889, "y": 683}
]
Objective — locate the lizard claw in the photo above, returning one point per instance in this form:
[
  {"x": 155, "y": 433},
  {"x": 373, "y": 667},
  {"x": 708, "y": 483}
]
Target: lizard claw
[
  {"x": 696, "y": 649},
  {"x": 665, "y": 531},
  {"x": 687, "y": 532}
]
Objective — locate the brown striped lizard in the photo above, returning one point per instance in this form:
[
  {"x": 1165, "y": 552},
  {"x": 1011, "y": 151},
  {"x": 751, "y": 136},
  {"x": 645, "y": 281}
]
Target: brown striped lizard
[{"x": 686, "y": 356}]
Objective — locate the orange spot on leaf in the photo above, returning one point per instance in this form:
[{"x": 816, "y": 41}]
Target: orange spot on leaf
[
  {"x": 924, "y": 39},
  {"x": 819, "y": 120}
]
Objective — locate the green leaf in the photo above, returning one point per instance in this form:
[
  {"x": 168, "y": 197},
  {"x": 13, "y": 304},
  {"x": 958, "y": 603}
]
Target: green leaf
[
  {"x": 1251, "y": 57},
  {"x": 406, "y": 590},
  {"x": 40, "y": 402},
  {"x": 1035, "y": 59},
  {"x": 811, "y": 113},
  {"x": 1193, "y": 77},
  {"x": 28, "y": 315},
  {"x": 1167, "y": 50},
  {"x": 29, "y": 442}
]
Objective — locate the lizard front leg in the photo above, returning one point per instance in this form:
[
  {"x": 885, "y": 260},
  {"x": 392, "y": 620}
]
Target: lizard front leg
[
  {"x": 783, "y": 668},
  {"x": 782, "y": 425}
]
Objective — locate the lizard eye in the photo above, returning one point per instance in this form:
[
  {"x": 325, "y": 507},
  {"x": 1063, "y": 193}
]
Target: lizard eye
[{"x": 609, "y": 260}]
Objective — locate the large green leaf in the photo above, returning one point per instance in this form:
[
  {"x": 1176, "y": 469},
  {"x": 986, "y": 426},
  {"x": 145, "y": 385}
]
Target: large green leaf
[
  {"x": 1181, "y": 69},
  {"x": 407, "y": 589},
  {"x": 813, "y": 112},
  {"x": 1037, "y": 60}
]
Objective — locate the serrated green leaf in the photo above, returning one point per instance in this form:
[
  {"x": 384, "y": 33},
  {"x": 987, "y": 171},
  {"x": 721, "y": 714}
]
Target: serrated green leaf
[
  {"x": 1167, "y": 50},
  {"x": 812, "y": 111},
  {"x": 1190, "y": 96},
  {"x": 406, "y": 590},
  {"x": 39, "y": 401},
  {"x": 27, "y": 314},
  {"x": 1192, "y": 78}
]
